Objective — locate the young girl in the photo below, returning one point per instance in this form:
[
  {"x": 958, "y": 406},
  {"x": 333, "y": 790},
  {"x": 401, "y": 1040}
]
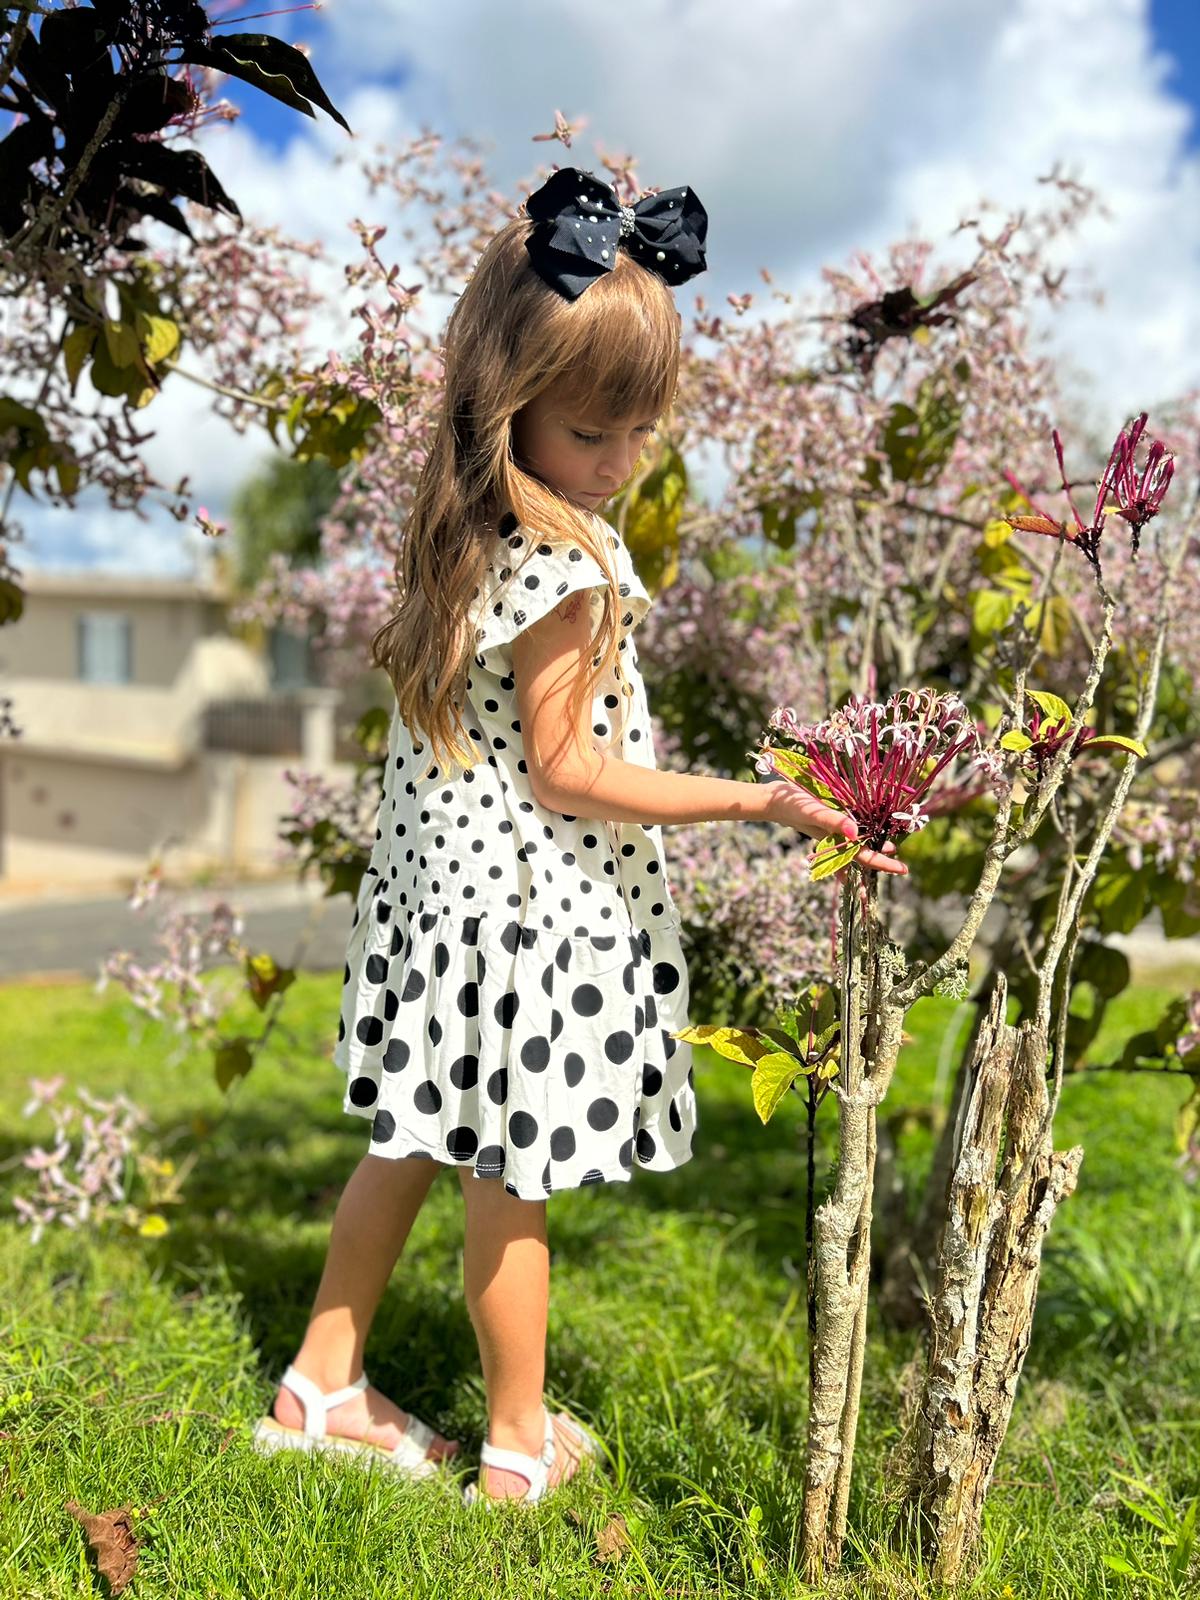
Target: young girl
[{"x": 514, "y": 980}]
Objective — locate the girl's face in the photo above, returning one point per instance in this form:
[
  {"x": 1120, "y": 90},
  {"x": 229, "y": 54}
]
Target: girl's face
[{"x": 586, "y": 458}]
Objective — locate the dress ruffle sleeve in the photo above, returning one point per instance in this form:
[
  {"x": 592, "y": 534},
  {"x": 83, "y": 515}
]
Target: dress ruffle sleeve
[{"x": 528, "y": 576}]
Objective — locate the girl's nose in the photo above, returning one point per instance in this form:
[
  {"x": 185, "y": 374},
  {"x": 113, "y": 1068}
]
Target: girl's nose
[{"x": 618, "y": 466}]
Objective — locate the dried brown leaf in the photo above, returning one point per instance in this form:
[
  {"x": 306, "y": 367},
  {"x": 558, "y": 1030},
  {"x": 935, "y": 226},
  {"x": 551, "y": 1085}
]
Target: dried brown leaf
[
  {"x": 613, "y": 1539},
  {"x": 112, "y": 1542}
]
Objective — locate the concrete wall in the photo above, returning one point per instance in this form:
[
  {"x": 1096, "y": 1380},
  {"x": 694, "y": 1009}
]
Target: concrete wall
[
  {"x": 166, "y": 622},
  {"x": 102, "y": 776},
  {"x": 97, "y": 823}
]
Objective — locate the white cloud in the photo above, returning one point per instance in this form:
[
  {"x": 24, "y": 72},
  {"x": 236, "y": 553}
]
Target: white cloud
[
  {"x": 95, "y": 536},
  {"x": 810, "y": 132}
]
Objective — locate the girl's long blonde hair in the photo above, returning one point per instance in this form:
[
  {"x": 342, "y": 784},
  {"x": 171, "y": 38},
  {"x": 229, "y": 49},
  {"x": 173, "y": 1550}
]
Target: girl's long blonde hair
[{"x": 615, "y": 349}]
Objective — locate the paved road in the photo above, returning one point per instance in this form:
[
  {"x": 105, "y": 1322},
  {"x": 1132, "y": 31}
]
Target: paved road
[
  {"x": 60, "y": 936},
  {"x": 65, "y": 935}
]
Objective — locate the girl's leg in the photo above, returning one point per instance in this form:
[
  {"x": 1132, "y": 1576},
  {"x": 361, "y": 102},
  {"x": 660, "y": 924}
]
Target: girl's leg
[
  {"x": 506, "y": 1276},
  {"x": 374, "y": 1216}
]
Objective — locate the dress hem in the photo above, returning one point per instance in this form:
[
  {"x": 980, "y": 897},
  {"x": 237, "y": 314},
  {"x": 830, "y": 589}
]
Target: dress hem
[{"x": 440, "y": 1154}]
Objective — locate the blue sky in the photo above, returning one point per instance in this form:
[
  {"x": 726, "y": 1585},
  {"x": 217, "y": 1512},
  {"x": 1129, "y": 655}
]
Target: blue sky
[
  {"x": 811, "y": 132},
  {"x": 1176, "y": 28}
]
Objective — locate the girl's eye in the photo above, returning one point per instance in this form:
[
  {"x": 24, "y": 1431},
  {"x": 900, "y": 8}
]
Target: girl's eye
[{"x": 594, "y": 438}]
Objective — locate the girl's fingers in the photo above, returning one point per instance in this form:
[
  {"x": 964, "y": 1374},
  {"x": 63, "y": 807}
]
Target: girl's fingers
[
  {"x": 830, "y": 821},
  {"x": 825, "y": 818},
  {"x": 875, "y": 858}
]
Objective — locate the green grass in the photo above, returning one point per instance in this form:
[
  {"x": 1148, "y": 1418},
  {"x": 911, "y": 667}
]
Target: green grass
[{"x": 677, "y": 1327}]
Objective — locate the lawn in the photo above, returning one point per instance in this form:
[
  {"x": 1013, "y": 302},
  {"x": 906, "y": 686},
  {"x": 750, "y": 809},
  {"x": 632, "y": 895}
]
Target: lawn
[{"x": 131, "y": 1369}]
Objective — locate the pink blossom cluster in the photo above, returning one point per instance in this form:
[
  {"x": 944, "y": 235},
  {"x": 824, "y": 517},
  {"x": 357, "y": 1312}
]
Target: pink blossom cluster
[
  {"x": 84, "y": 1177},
  {"x": 171, "y": 988},
  {"x": 876, "y": 760},
  {"x": 752, "y": 637},
  {"x": 1165, "y": 830},
  {"x": 353, "y": 810},
  {"x": 747, "y": 894}
]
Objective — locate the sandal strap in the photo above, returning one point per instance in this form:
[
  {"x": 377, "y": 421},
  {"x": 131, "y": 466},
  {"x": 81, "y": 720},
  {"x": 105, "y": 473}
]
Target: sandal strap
[
  {"x": 315, "y": 1402},
  {"x": 536, "y": 1469},
  {"x": 414, "y": 1443}
]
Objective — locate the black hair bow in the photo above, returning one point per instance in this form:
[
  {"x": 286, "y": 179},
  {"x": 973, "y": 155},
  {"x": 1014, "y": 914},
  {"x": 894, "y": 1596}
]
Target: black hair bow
[{"x": 579, "y": 223}]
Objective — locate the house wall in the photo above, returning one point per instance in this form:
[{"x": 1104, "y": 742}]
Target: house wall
[
  {"x": 101, "y": 777},
  {"x": 80, "y": 822},
  {"x": 43, "y": 642}
]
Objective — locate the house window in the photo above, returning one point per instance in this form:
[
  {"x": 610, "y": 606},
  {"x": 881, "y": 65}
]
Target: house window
[
  {"x": 105, "y": 647},
  {"x": 291, "y": 659}
]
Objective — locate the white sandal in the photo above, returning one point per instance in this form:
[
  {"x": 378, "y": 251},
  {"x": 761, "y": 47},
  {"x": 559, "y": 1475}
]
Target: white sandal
[
  {"x": 409, "y": 1457},
  {"x": 535, "y": 1469}
]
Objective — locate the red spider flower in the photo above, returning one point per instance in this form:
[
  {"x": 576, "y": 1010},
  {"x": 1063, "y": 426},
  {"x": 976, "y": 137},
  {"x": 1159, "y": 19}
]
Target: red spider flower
[{"x": 1137, "y": 501}]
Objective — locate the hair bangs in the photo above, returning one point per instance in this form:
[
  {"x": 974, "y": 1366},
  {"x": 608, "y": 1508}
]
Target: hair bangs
[{"x": 625, "y": 357}]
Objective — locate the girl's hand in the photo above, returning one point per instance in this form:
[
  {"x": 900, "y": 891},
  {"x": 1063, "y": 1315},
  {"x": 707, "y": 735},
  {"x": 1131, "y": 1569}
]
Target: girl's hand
[{"x": 796, "y": 808}]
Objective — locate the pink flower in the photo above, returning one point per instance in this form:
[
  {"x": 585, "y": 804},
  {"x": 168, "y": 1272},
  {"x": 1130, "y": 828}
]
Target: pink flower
[
  {"x": 874, "y": 760},
  {"x": 1137, "y": 501}
]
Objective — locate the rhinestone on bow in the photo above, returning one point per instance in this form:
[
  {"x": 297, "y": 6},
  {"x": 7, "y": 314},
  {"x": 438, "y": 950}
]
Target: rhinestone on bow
[{"x": 627, "y": 220}]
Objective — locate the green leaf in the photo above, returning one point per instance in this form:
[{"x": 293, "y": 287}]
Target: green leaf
[
  {"x": 1056, "y": 709},
  {"x": 1141, "y": 1049},
  {"x": 273, "y": 66},
  {"x": 997, "y": 532},
  {"x": 122, "y": 343},
  {"x": 735, "y": 1044},
  {"x": 918, "y": 440},
  {"x": 1178, "y": 904},
  {"x": 653, "y": 510},
  {"x": 77, "y": 347},
  {"x": 178, "y": 172},
  {"x": 15, "y": 415},
  {"x": 159, "y": 336},
  {"x": 824, "y": 1040},
  {"x": 774, "y": 1075},
  {"x": 1003, "y": 561},
  {"x": 1103, "y": 966},
  {"x": 1115, "y": 741},
  {"x": 1051, "y": 621},
  {"x": 66, "y": 469},
  {"x": 12, "y": 601},
  {"x": 1171, "y": 1024},
  {"x": 1187, "y": 1120},
  {"x": 831, "y": 856},
  {"x": 793, "y": 764},
  {"x": 108, "y": 378},
  {"x": 231, "y": 1060},
  {"x": 1015, "y": 739},
  {"x": 990, "y": 611},
  {"x": 831, "y": 1066},
  {"x": 1119, "y": 895}
]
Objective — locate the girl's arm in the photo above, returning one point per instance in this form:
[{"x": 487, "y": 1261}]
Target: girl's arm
[{"x": 568, "y": 774}]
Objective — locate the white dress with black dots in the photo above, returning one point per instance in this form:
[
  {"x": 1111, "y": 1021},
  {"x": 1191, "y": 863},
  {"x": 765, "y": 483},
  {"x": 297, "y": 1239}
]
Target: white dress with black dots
[{"x": 514, "y": 974}]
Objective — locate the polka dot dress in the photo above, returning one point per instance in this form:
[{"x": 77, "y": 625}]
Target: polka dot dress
[{"x": 514, "y": 974}]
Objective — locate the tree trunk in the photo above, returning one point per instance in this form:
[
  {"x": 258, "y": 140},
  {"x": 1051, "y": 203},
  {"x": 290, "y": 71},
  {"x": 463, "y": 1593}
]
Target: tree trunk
[
  {"x": 984, "y": 1290},
  {"x": 911, "y": 1252},
  {"x": 871, "y": 1029}
]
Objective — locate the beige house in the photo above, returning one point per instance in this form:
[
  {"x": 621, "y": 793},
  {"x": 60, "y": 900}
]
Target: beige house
[{"x": 146, "y": 727}]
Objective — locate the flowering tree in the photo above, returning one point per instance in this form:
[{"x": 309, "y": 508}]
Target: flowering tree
[
  {"x": 100, "y": 99},
  {"x": 880, "y": 762}
]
